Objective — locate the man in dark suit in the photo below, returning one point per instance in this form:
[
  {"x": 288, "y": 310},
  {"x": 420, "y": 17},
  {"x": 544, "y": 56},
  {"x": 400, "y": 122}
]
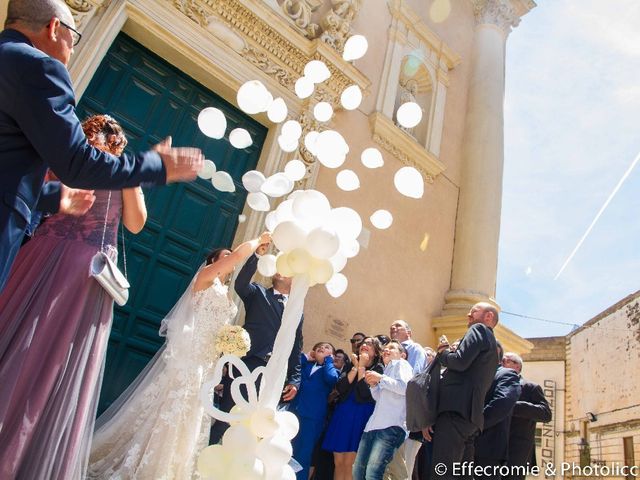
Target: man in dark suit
[
  {"x": 531, "y": 407},
  {"x": 263, "y": 316},
  {"x": 492, "y": 445},
  {"x": 39, "y": 128},
  {"x": 462, "y": 390}
]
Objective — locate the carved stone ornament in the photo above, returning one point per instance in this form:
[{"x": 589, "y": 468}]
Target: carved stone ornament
[
  {"x": 496, "y": 12},
  {"x": 84, "y": 10},
  {"x": 337, "y": 22},
  {"x": 300, "y": 12},
  {"x": 194, "y": 10}
]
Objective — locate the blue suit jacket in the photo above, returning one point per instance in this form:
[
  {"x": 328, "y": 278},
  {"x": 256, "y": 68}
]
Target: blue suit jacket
[
  {"x": 39, "y": 130},
  {"x": 264, "y": 317},
  {"x": 311, "y": 400}
]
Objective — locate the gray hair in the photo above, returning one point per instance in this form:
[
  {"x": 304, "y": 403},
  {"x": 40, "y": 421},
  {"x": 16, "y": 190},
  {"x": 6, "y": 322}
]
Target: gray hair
[
  {"x": 514, "y": 357},
  {"x": 35, "y": 14}
]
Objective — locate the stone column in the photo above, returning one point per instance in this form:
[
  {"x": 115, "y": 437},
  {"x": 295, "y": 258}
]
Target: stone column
[{"x": 475, "y": 256}]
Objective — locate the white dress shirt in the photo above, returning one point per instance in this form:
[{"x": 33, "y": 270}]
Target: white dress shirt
[{"x": 389, "y": 394}]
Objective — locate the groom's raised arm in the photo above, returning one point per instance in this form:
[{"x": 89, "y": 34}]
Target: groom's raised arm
[{"x": 243, "y": 286}]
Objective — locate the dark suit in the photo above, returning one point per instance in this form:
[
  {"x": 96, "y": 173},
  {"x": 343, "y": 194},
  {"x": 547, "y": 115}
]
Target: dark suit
[
  {"x": 531, "y": 407},
  {"x": 491, "y": 446},
  {"x": 262, "y": 321},
  {"x": 463, "y": 388},
  {"x": 39, "y": 130}
]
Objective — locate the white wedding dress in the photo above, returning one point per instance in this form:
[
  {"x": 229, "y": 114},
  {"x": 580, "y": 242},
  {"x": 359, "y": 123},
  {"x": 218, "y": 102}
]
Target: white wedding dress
[{"x": 157, "y": 427}]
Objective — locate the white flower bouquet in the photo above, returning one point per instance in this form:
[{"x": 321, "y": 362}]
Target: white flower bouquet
[{"x": 232, "y": 340}]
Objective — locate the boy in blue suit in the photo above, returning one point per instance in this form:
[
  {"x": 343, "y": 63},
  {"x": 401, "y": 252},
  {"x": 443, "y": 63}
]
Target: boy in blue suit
[{"x": 319, "y": 376}]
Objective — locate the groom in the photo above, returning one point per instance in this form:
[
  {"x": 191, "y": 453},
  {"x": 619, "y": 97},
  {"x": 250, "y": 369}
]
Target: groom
[{"x": 264, "y": 307}]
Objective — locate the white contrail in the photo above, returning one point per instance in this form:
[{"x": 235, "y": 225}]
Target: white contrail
[{"x": 602, "y": 209}]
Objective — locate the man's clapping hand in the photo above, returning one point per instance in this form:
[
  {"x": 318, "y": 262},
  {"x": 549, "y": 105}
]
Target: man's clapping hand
[{"x": 181, "y": 163}]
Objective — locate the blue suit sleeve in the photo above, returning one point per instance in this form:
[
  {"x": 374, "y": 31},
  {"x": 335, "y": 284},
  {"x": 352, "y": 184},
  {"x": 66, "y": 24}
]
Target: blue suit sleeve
[
  {"x": 243, "y": 286},
  {"x": 49, "y": 201},
  {"x": 329, "y": 372},
  {"x": 50, "y": 123},
  {"x": 505, "y": 395}
]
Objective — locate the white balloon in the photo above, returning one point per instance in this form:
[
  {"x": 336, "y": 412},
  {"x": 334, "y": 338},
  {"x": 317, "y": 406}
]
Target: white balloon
[
  {"x": 320, "y": 271},
  {"x": 408, "y": 181},
  {"x": 288, "y": 236},
  {"x": 355, "y": 47},
  {"x": 212, "y": 122},
  {"x": 303, "y": 87},
  {"x": 274, "y": 452},
  {"x": 372, "y": 158},
  {"x": 282, "y": 264},
  {"x": 277, "y": 185},
  {"x": 242, "y": 218},
  {"x": 245, "y": 467},
  {"x": 277, "y": 111},
  {"x": 299, "y": 260},
  {"x": 253, "y": 180},
  {"x": 337, "y": 285},
  {"x": 223, "y": 182},
  {"x": 288, "y": 423},
  {"x": 323, "y": 111},
  {"x": 287, "y": 473},
  {"x": 409, "y": 114},
  {"x": 271, "y": 220},
  {"x": 263, "y": 423},
  {"x": 347, "y": 180},
  {"x": 310, "y": 141},
  {"x": 258, "y": 201},
  {"x": 284, "y": 212},
  {"x": 349, "y": 247},
  {"x": 331, "y": 149},
  {"x": 311, "y": 204},
  {"x": 346, "y": 222},
  {"x": 267, "y": 265},
  {"x": 213, "y": 461},
  {"x": 291, "y": 130},
  {"x": 238, "y": 439},
  {"x": 339, "y": 261},
  {"x": 240, "y": 138},
  {"x": 253, "y": 97},
  {"x": 351, "y": 97},
  {"x": 322, "y": 242},
  {"x": 207, "y": 170},
  {"x": 316, "y": 71},
  {"x": 295, "y": 170},
  {"x": 287, "y": 144},
  {"x": 381, "y": 219}
]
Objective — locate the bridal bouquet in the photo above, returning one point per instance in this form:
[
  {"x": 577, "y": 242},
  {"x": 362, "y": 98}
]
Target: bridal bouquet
[{"x": 232, "y": 340}]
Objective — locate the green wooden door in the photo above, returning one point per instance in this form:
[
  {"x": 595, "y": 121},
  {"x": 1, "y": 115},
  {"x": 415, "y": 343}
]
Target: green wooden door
[{"x": 152, "y": 99}]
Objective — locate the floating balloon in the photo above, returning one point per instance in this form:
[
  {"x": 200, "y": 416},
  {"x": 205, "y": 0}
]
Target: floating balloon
[
  {"x": 287, "y": 144},
  {"x": 316, "y": 71},
  {"x": 271, "y": 220},
  {"x": 223, "y": 182},
  {"x": 337, "y": 285},
  {"x": 291, "y": 130},
  {"x": 408, "y": 182},
  {"x": 242, "y": 218},
  {"x": 440, "y": 10},
  {"x": 310, "y": 141},
  {"x": 355, "y": 47},
  {"x": 372, "y": 158},
  {"x": 381, "y": 219},
  {"x": 349, "y": 247},
  {"x": 258, "y": 201},
  {"x": 409, "y": 114},
  {"x": 288, "y": 236},
  {"x": 347, "y": 180},
  {"x": 208, "y": 169},
  {"x": 339, "y": 261},
  {"x": 323, "y": 111},
  {"x": 299, "y": 260},
  {"x": 346, "y": 222},
  {"x": 303, "y": 87},
  {"x": 295, "y": 170},
  {"x": 253, "y": 97},
  {"x": 284, "y": 211},
  {"x": 277, "y": 185},
  {"x": 212, "y": 122},
  {"x": 267, "y": 265},
  {"x": 282, "y": 264},
  {"x": 240, "y": 138},
  {"x": 351, "y": 97},
  {"x": 320, "y": 271},
  {"x": 322, "y": 243},
  {"x": 331, "y": 149},
  {"x": 311, "y": 204},
  {"x": 277, "y": 111},
  {"x": 253, "y": 180}
]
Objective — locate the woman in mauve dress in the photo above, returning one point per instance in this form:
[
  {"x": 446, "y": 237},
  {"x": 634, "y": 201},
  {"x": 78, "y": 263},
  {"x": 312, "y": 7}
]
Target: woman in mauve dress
[{"x": 54, "y": 326}]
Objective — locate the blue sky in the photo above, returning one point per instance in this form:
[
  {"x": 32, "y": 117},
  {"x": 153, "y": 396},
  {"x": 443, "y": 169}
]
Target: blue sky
[{"x": 572, "y": 129}]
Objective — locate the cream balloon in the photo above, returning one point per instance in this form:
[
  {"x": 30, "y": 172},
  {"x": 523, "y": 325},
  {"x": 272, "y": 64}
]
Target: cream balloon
[
  {"x": 267, "y": 265},
  {"x": 238, "y": 439},
  {"x": 212, "y": 122},
  {"x": 263, "y": 423},
  {"x": 303, "y": 87},
  {"x": 347, "y": 180},
  {"x": 223, "y": 182},
  {"x": 316, "y": 71},
  {"x": 288, "y": 424},
  {"x": 351, "y": 97},
  {"x": 337, "y": 285},
  {"x": 409, "y": 114},
  {"x": 253, "y": 180},
  {"x": 295, "y": 170},
  {"x": 355, "y": 47},
  {"x": 381, "y": 219},
  {"x": 372, "y": 158},
  {"x": 277, "y": 185},
  {"x": 331, "y": 149},
  {"x": 240, "y": 138},
  {"x": 277, "y": 111},
  {"x": 258, "y": 201},
  {"x": 213, "y": 461},
  {"x": 408, "y": 181},
  {"x": 207, "y": 170},
  {"x": 323, "y": 111},
  {"x": 282, "y": 264},
  {"x": 287, "y": 473},
  {"x": 320, "y": 271},
  {"x": 322, "y": 243},
  {"x": 299, "y": 260},
  {"x": 245, "y": 468},
  {"x": 253, "y": 97},
  {"x": 288, "y": 236}
]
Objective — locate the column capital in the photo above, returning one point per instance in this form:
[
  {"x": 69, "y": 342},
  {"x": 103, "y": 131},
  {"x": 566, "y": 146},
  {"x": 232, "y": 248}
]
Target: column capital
[{"x": 504, "y": 14}]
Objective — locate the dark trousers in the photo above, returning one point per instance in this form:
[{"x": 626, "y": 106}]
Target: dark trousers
[
  {"x": 453, "y": 443},
  {"x": 226, "y": 402}
]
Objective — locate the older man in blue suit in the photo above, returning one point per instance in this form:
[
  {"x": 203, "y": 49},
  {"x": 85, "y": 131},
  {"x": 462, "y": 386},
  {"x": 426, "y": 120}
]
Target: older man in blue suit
[{"x": 39, "y": 128}]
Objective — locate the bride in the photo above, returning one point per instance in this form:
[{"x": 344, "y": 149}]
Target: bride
[{"x": 157, "y": 427}]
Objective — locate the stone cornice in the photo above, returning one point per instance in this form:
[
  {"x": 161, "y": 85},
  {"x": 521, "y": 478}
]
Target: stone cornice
[
  {"x": 404, "y": 147},
  {"x": 505, "y": 14},
  {"x": 403, "y": 13}
]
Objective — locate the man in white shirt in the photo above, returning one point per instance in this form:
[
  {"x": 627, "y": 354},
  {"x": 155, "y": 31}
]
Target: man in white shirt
[{"x": 386, "y": 429}]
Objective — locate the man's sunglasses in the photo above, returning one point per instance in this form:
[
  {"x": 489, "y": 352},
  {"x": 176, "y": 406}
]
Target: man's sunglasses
[{"x": 356, "y": 340}]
